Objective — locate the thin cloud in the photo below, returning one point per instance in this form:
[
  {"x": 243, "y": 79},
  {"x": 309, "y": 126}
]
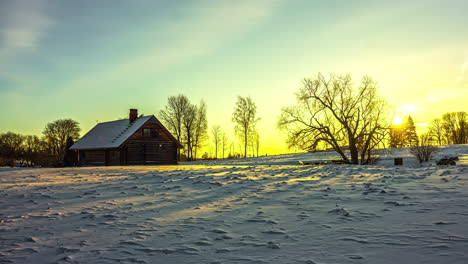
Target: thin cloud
[
  {"x": 23, "y": 27},
  {"x": 444, "y": 94},
  {"x": 409, "y": 108},
  {"x": 200, "y": 31}
]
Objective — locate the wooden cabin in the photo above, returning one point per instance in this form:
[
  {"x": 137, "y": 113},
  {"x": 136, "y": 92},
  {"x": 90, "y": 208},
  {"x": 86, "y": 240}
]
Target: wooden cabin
[{"x": 133, "y": 141}]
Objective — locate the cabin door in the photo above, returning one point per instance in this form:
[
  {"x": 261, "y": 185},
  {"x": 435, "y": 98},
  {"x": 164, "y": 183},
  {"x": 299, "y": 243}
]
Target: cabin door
[
  {"x": 123, "y": 156},
  {"x": 106, "y": 158}
]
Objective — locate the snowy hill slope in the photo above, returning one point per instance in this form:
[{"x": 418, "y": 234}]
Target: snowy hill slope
[
  {"x": 386, "y": 157},
  {"x": 259, "y": 210}
]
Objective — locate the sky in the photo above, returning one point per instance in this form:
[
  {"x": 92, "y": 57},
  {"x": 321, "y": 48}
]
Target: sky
[{"x": 93, "y": 60}]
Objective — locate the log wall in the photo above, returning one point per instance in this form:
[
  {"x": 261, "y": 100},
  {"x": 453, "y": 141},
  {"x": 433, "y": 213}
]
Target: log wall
[{"x": 157, "y": 148}]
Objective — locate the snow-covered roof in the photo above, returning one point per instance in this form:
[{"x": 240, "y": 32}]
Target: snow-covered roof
[{"x": 112, "y": 134}]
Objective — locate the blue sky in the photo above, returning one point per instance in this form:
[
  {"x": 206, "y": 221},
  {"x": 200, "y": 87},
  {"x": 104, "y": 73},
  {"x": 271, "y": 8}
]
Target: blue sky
[{"x": 93, "y": 60}]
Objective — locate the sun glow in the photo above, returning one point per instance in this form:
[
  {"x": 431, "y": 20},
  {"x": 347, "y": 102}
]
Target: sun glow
[{"x": 397, "y": 120}]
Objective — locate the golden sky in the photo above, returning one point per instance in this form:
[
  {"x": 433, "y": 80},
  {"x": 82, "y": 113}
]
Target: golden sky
[{"x": 92, "y": 61}]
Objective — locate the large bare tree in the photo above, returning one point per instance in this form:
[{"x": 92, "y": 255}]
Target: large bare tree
[
  {"x": 244, "y": 118},
  {"x": 437, "y": 131},
  {"x": 58, "y": 132},
  {"x": 172, "y": 115},
  {"x": 331, "y": 111},
  {"x": 455, "y": 125},
  {"x": 200, "y": 134},
  {"x": 187, "y": 122}
]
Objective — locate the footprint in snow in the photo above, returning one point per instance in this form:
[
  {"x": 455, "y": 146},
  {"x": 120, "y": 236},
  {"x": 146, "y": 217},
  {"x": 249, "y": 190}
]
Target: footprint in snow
[
  {"x": 353, "y": 256},
  {"x": 274, "y": 232},
  {"x": 302, "y": 215},
  {"x": 219, "y": 231},
  {"x": 273, "y": 245},
  {"x": 444, "y": 223},
  {"x": 223, "y": 250}
]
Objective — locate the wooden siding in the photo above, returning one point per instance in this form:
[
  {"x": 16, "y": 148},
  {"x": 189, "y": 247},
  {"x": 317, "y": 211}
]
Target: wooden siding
[
  {"x": 93, "y": 157},
  {"x": 113, "y": 157},
  {"x": 157, "y": 148}
]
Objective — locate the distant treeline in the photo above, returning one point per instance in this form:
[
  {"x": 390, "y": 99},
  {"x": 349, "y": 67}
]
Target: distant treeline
[
  {"x": 48, "y": 150},
  {"x": 452, "y": 128}
]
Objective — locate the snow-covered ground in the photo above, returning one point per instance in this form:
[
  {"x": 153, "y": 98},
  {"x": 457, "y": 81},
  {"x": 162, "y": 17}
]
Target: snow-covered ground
[{"x": 257, "y": 210}]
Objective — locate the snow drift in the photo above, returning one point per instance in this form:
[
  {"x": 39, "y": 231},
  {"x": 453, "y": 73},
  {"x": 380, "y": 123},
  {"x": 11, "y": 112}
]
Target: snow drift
[{"x": 257, "y": 210}]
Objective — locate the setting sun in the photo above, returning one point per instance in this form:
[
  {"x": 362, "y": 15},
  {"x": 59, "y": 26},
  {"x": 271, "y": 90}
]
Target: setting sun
[{"x": 397, "y": 120}]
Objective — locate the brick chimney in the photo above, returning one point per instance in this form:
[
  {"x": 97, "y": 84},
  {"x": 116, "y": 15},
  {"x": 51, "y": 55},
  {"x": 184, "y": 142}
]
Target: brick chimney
[{"x": 133, "y": 115}]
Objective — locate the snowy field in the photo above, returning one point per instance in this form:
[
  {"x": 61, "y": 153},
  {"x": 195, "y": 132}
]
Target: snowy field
[{"x": 257, "y": 210}]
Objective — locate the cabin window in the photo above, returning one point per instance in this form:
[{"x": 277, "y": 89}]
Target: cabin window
[
  {"x": 150, "y": 132},
  {"x": 146, "y": 132}
]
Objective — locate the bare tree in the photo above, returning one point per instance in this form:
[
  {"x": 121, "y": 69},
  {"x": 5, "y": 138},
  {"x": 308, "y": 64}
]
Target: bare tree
[
  {"x": 24, "y": 150},
  {"x": 257, "y": 142},
  {"x": 173, "y": 112},
  {"x": 217, "y": 134},
  {"x": 455, "y": 125},
  {"x": 437, "y": 131},
  {"x": 201, "y": 128},
  {"x": 172, "y": 115},
  {"x": 189, "y": 121},
  {"x": 231, "y": 149},
  {"x": 11, "y": 148},
  {"x": 423, "y": 152},
  {"x": 330, "y": 111},
  {"x": 11, "y": 143},
  {"x": 224, "y": 143},
  {"x": 58, "y": 133},
  {"x": 254, "y": 143},
  {"x": 251, "y": 145},
  {"x": 34, "y": 150},
  {"x": 244, "y": 118}
]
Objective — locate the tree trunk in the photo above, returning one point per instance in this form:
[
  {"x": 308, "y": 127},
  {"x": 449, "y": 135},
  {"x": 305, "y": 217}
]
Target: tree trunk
[
  {"x": 189, "y": 147},
  {"x": 363, "y": 158},
  {"x": 178, "y": 150},
  {"x": 245, "y": 144},
  {"x": 354, "y": 152},
  {"x": 343, "y": 156}
]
